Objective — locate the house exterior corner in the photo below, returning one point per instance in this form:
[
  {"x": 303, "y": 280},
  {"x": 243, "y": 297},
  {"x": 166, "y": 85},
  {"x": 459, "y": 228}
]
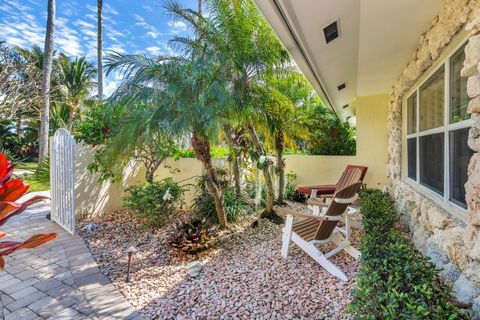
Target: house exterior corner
[{"x": 442, "y": 228}]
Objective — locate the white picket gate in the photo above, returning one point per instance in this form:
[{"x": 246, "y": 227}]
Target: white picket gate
[{"x": 62, "y": 179}]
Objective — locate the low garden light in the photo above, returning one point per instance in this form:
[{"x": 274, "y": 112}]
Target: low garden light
[{"x": 130, "y": 251}]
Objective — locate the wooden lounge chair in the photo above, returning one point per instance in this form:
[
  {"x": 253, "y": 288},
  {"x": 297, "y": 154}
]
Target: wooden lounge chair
[
  {"x": 345, "y": 179},
  {"x": 322, "y": 228}
]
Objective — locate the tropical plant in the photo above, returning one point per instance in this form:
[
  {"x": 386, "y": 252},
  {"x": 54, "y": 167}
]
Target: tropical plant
[
  {"x": 291, "y": 185},
  {"x": 191, "y": 237},
  {"x": 187, "y": 94},
  {"x": 235, "y": 206},
  {"x": 155, "y": 202},
  {"x": 76, "y": 79},
  {"x": 47, "y": 72},
  {"x": 10, "y": 191},
  {"x": 250, "y": 51},
  {"x": 287, "y": 126},
  {"x": 328, "y": 135}
]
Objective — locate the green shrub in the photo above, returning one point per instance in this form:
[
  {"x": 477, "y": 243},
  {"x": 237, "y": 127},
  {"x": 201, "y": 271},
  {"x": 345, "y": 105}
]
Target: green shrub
[
  {"x": 291, "y": 185},
  {"x": 396, "y": 281},
  {"x": 234, "y": 207},
  {"x": 155, "y": 202}
]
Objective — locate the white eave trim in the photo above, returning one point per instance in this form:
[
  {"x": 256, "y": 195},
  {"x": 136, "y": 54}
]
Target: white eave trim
[{"x": 274, "y": 13}]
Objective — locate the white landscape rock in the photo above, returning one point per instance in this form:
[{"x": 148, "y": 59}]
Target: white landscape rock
[{"x": 194, "y": 269}]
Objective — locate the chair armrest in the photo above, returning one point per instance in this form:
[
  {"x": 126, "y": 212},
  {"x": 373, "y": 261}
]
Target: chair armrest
[
  {"x": 325, "y": 196},
  {"x": 299, "y": 214},
  {"x": 290, "y": 212},
  {"x": 317, "y": 203}
]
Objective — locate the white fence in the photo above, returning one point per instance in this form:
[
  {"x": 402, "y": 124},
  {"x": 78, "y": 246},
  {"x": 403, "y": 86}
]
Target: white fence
[{"x": 62, "y": 179}]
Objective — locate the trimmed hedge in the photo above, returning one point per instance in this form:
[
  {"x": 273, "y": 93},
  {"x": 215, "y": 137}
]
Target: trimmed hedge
[{"x": 395, "y": 281}]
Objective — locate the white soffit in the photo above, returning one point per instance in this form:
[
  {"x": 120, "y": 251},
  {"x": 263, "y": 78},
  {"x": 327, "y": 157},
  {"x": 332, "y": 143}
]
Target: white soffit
[{"x": 377, "y": 39}]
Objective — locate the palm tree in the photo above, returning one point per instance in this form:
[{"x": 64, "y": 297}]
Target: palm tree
[
  {"x": 75, "y": 79},
  {"x": 252, "y": 51},
  {"x": 294, "y": 92},
  {"x": 188, "y": 94},
  {"x": 47, "y": 72},
  {"x": 99, "y": 49}
]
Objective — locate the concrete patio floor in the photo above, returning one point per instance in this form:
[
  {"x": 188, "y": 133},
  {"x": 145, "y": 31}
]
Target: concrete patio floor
[{"x": 58, "y": 280}]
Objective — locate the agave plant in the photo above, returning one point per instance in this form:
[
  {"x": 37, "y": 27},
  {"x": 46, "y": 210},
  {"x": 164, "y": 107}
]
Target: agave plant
[
  {"x": 10, "y": 191},
  {"x": 190, "y": 237}
]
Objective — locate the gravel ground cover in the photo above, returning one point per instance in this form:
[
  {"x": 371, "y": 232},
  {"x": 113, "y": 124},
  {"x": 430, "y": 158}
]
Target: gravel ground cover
[{"x": 243, "y": 276}]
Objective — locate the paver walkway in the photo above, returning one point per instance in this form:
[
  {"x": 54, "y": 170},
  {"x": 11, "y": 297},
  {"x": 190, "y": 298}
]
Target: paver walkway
[{"x": 58, "y": 280}]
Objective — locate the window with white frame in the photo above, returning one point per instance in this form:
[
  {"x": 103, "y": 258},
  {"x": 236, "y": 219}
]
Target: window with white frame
[{"x": 437, "y": 132}]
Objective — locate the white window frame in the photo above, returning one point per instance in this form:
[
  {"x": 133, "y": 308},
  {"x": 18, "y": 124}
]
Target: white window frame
[{"x": 445, "y": 129}]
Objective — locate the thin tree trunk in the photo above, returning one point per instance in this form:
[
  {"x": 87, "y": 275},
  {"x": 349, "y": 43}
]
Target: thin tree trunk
[
  {"x": 71, "y": 118},
  {"x": 235, "y": 161},
  {"x": 236, "y": 174},
  {"x": 47, "y": 72},
  {"x": 279, "y": 143},
  {"x": 201, "y": 146},
  {"x": 99, "y": 49},
  {"x": 268, "y": 213},
  {"x": 18, "y": 126}
]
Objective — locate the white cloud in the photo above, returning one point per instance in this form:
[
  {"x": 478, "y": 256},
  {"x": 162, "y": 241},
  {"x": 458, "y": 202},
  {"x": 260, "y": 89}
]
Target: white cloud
[
  {"x": 108, "y": 9},
  {"x": 154, "y": 50},
  {"x": 152, "y": 32},
  {"x": 67, "y": 39},
  {"x": 116, "y": 48},
  {"x": 84, "y": 24},
  {"x": 147, "y": 8},
  {"x": 177, "y": 25}
]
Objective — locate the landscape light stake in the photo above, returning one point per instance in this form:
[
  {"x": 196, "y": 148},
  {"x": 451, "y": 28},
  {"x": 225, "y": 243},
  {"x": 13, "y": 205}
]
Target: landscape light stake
[{"x": 130, "y": 251}]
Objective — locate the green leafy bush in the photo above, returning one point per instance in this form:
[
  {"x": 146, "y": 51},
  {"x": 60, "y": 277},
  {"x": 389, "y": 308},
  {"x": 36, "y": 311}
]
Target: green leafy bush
[
  {"x": 396, "y": 281},
  {"x": 155, "y": 202},
  {"x": 235, "y": 207}
]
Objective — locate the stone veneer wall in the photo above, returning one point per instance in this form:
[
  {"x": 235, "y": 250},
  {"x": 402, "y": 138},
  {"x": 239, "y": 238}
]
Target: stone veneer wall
[{"x": 453, "y": 244}]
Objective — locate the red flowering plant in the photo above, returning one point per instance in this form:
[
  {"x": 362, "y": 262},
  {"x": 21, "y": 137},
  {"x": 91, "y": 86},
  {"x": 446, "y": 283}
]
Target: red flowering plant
[{"x": 10, "y": 191}]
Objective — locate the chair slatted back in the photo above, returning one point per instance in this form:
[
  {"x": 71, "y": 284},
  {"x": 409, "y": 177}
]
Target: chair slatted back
[
  {"x": 326, "y": 228},
  {"x": 349, "y": 176}
]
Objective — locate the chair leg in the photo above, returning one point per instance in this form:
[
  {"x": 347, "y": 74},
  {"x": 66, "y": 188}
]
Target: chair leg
[
  {"x": 318, "y": 256},
  {"x": 287, "y": 235},
  {"x": 351, "y": 250}
]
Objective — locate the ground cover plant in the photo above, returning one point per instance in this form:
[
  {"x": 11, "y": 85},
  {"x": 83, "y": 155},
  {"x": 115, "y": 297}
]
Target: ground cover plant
[{"x": 396, "y": 281}]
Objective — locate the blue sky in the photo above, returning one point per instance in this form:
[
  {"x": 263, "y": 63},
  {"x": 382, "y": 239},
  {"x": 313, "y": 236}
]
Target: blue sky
[{"x": 129, "y": 26}]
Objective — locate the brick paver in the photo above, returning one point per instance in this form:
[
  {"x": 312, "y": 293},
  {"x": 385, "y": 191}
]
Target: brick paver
[{"x": 59, "y": 280}]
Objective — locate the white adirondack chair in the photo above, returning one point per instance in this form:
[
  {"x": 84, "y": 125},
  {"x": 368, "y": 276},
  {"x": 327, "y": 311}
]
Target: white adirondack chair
[{"x": 322, "y": 228}]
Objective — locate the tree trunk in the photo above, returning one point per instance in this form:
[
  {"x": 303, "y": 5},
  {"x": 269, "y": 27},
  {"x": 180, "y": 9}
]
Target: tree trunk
[
  {"x": 268, "y": 213},
  {"x": 71, "y": 117},
  {"x": 149, "y": 175},
  {"x": 47, "y": 72},
  {"x": 99, "y": 49},
  {"x": 236, "y": 174},
  {"x": 279, "y": 143},
  {"x": 235, "y": 161},
  {"x": 18, "y": 126},
  {"x": 201, "y": 145}
]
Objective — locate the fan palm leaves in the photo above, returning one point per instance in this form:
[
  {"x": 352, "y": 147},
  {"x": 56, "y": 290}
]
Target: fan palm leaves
[{"x": 76, "y": 79}]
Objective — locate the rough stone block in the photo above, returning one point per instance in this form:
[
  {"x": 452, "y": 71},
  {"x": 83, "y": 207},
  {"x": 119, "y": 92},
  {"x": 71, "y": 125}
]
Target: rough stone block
[
  {"x": 472, "y": 57},
  {"x": 473, "y": 86},
  {"x": 450, "y": 273},
  {"x": 474, "y": 105},
  {"x": 465, "y": 290}
]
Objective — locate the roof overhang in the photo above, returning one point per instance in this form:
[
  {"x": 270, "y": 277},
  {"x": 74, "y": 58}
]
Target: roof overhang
[{"x": 377, "y": 39}]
